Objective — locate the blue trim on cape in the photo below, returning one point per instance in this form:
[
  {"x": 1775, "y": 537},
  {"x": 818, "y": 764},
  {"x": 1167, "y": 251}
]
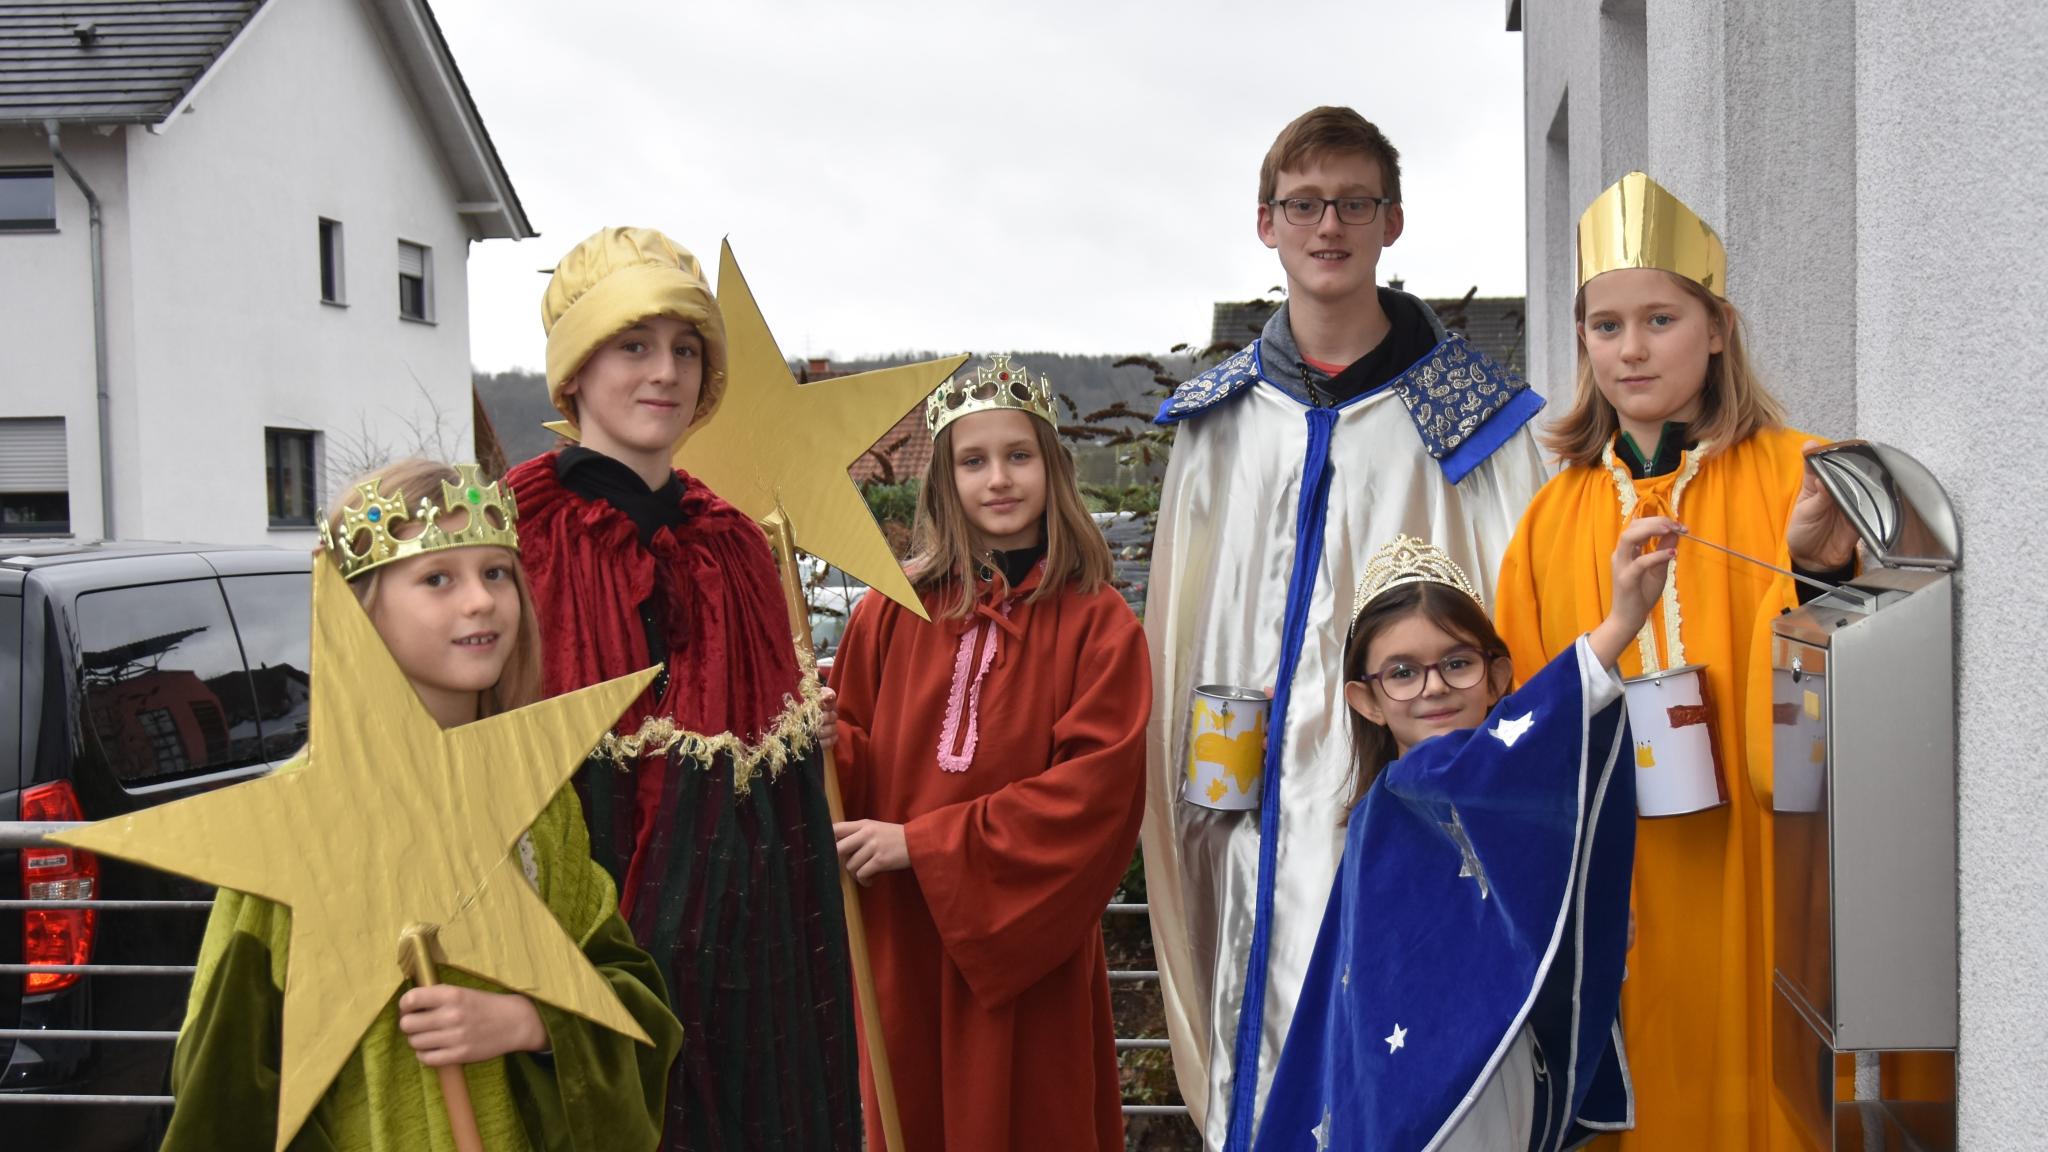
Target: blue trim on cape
[
  {"x": 1463, "y": 405},
  {"x": 1311, "y": 513}
]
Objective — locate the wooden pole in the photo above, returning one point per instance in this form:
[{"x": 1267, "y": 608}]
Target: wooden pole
[
  {"x": 416, "y": 957},
  {"x": 780, "y": 538}
]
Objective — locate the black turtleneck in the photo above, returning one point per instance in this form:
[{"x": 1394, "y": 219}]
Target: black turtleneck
[
  {"x": 1409, "y": 338},
  {"x": 1017, "y": 563},
  {"x": 597, "y": 477}
]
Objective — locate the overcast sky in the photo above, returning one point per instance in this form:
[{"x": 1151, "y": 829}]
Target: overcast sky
[{"x": 1057, "y": 175}]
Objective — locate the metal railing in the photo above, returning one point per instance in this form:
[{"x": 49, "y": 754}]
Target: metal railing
[{"x": 18, "y": 834}]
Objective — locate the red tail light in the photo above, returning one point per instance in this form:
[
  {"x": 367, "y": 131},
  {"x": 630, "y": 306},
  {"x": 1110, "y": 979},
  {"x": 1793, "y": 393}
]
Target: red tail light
[{"x": 52, "y": 872}]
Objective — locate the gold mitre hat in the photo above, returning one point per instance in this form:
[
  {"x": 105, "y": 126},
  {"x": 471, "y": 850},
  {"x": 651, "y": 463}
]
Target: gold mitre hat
[
  {"x": 368, "y": 538},
  {"x": 1407, "y": 560},
  {"x": 1636, "y": 223},
  {"x": 995, "y": 384}
]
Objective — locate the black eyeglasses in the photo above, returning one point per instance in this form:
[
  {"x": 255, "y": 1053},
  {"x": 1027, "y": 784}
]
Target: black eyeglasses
[
  {"x": 1304, "y": 211},
  {"x": 1405, "y": 679}
]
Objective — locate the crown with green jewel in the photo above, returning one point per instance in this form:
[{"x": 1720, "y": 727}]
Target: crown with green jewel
[
  {"x": 992, "y": 385},
  {"x": 367, "y": 537}
]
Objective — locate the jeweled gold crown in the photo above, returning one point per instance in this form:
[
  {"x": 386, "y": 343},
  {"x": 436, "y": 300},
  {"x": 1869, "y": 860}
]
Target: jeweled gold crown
[
  {"x": 1407, "y": 560},
  {"x": 1636, "y": 223},
  {"x": 992, "y": 385},
  {"x": 366, "y": 539}
]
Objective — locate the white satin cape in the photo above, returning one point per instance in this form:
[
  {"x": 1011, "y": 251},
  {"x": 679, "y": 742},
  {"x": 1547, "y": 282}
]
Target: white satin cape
[{"x": 1221, "y": 566}]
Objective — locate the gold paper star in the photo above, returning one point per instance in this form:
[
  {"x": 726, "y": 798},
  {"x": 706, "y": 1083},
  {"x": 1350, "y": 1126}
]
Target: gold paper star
[
  {"x": 773, "y": 443},
  {"x": 384, "y": 821}
]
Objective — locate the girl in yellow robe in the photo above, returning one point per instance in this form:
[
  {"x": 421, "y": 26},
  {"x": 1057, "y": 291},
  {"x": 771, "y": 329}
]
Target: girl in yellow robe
[{"x": 1668, "y": 419}]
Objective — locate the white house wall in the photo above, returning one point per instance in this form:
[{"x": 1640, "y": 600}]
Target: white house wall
[
  {"x": 46, "y": 352},
  {"x": 306, "y": 118},
  {"x": 1875, "y": 170}
]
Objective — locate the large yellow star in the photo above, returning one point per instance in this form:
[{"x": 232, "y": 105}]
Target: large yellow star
[
  {"x": 384, "y": 821},
  {"x": 773, "y": 443}
]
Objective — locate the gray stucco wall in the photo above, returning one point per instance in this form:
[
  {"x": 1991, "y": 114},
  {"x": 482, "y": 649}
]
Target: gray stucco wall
[
  {"x": 1951, "y": 145},
  {"x": 1877, "y": 173}
]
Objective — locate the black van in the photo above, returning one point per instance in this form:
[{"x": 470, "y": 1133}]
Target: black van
[{"x": 130, "y": 674}]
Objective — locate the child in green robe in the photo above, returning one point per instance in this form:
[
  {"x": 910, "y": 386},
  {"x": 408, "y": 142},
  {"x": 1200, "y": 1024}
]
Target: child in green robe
[{"x": 459, "y": 622}]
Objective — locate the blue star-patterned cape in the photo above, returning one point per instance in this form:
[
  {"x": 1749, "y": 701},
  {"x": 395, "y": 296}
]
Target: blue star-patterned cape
[
  {"x": 1484, "y": 886},
  {"x": 1463, "y": 405}
]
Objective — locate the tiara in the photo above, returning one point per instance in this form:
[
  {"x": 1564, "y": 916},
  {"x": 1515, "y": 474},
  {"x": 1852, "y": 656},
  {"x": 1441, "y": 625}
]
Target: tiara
[
  {"x": 365, "y": 541},
  {"x": 1407, "y": 560},
  {"x": 1636, "y": 223},
  {"x": 992, "y": 385}
]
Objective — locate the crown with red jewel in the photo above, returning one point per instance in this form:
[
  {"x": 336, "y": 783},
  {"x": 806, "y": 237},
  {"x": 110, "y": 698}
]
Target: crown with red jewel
[
  {"x": 368, "y": 534},
  {"x": 995, "y": 384}
]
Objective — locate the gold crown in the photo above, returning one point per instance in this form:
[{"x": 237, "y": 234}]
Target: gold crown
[
  {"x": 1636, "y": 223},
  {"x": 372, "y": 520},
  {"x": 992, "y": 385},
  {"x": 1407, "y": 560}
]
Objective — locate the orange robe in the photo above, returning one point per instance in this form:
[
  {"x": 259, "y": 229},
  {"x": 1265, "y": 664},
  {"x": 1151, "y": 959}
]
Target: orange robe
[
  {"x": 1011, "y": 747},
  {"x": 1696, "y": 1007}
]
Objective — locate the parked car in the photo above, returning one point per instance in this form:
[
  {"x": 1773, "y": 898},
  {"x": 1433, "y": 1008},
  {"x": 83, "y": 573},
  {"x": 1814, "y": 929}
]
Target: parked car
[
  {"x": 130, "y": 675},
  {"x": 830, "y": 594}
]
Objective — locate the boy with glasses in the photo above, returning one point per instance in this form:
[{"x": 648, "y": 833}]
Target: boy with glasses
[{"x": 1355, "y": 417}]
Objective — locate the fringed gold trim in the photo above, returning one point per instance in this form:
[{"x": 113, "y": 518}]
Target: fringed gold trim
[
  {"x": 1625, "y": 490},
  {"x": 792, "y": 735}
]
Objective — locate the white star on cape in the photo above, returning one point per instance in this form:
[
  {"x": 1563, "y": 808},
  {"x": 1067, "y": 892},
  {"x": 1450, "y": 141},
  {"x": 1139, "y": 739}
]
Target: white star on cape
[
  {"x": 1468, "y": 858},
  {"x": 1322, "y": 1132},
  {"x": 1508, "y": 731},
  {"x": 1397, "y": 1039}
]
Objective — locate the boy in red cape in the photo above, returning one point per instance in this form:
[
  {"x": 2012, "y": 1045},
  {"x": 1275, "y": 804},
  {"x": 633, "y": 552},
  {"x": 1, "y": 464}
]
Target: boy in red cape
[{"x": 707, "y": 802}]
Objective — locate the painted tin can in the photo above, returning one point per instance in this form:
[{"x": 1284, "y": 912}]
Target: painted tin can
[
  {"x": 1672, "y": 726},
  {"x": 1226, "y": 745}
]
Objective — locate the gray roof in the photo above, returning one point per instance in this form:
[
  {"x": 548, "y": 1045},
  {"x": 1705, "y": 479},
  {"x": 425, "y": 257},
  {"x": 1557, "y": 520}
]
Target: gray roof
[
  {"x": 1494, "y": 324},
  {"x": 111, "y": 61}
]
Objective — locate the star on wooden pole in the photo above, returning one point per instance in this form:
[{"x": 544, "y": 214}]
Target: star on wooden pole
[
  {"x": 386, "y": 821},
  {"x": 774, "y": 444}
]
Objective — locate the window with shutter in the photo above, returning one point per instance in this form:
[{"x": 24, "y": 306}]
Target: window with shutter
[
  {"x": 35, "y": 477},
  {"x": 415, "y": 281}
]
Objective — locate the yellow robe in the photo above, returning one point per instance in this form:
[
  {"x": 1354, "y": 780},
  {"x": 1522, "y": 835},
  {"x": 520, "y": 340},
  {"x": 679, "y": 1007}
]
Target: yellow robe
[{"x": 1696, "y": 1006}]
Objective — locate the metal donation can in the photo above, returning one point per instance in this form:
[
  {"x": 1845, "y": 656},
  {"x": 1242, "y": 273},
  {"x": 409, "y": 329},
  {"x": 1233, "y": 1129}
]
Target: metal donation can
[
  {"x": 1673, "y": 728},
  {"x": 1226, "y": 747}
]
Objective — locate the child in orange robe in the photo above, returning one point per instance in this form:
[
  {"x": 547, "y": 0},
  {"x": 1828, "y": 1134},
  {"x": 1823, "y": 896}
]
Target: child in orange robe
[
  {"x": 1669, "y": 420},
  {"x": 993, "y": 765}
]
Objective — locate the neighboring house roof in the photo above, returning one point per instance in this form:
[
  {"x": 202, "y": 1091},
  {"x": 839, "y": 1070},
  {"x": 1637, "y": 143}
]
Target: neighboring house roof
[
  {"x": 93, "y": 62},
  {"x": 906, "y": 445},
  {"x": 1495, "y": 324},
  {"x": 110, "y": 62}
]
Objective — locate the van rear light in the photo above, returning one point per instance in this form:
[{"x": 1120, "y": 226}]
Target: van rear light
[{"x": 55, "y": 872}]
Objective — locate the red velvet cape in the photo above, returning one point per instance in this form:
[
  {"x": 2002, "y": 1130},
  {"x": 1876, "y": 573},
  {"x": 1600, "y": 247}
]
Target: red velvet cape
[{"x": 736, "y": 895}]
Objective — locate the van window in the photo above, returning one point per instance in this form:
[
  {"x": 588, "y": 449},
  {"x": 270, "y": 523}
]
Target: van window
[
  {"x": 273, "y": 616},
  {"x": 165, "y": 691}
]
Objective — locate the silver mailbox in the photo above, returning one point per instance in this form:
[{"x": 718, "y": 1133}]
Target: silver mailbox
[{"x": 1864, "y": 828}]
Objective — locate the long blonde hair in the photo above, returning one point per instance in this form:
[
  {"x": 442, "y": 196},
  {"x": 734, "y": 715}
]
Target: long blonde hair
[
  {"x": 943, "y": 541},
  {"x": 1734, "y": 405},
  {"x": 519, "y": 684}
]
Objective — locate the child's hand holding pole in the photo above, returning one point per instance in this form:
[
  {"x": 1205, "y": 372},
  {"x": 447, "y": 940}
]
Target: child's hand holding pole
[{"x": 1638, "y": 584}]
